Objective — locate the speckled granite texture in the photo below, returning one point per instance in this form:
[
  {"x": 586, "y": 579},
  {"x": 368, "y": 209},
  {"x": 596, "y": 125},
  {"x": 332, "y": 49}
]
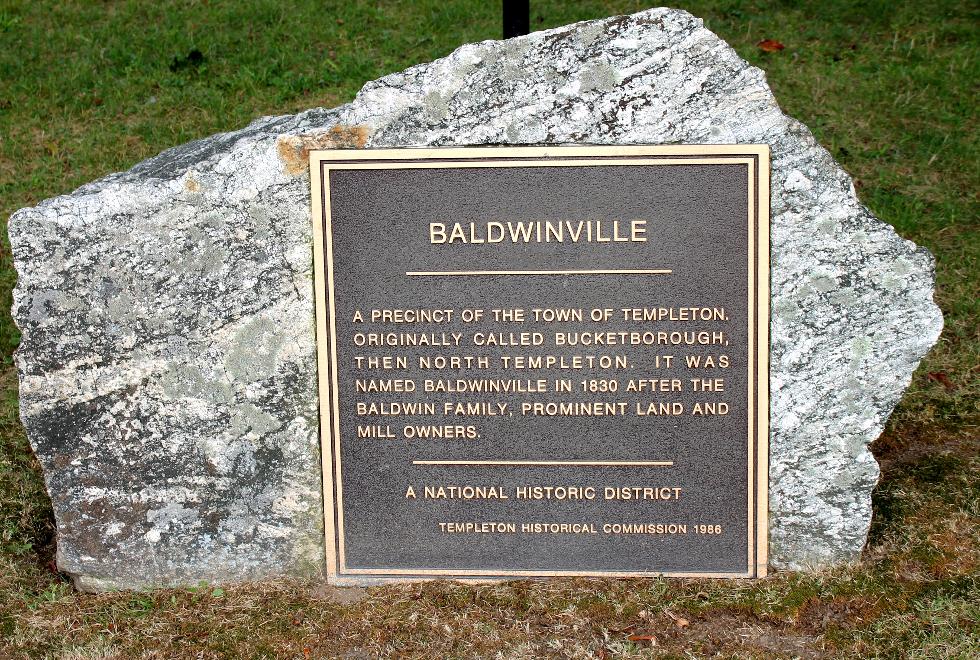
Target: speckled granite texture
[{"x": 167, "y": 371}]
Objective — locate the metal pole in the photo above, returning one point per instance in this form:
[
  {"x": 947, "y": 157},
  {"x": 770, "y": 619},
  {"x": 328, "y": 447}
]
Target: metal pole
[{"x": 517, "y": 18}]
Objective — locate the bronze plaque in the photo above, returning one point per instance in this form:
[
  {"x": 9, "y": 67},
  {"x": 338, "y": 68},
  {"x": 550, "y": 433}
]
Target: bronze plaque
[{"x": 543, "y": 361}]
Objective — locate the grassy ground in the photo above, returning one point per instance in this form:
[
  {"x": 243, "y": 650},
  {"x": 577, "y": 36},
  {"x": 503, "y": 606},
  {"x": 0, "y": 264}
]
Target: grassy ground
[{"x": 87, "y": 88}]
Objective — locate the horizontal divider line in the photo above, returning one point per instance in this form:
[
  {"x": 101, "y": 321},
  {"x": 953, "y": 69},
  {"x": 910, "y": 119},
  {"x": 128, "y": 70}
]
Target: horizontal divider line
[
  {"x": 463, "y": 273},
  {"x": 554, "y": 463}
]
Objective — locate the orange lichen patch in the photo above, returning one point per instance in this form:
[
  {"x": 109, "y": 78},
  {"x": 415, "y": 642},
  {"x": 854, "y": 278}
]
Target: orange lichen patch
[
  {"x": 192, "y": 185},
  {"x": 294, "y": 150}
]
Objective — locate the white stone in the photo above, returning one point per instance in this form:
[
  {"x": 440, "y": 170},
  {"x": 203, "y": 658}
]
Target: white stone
[{"x": 165, "y": 306}]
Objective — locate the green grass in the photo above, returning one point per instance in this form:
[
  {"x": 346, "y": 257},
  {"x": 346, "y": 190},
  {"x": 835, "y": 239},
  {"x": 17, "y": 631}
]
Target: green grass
[{"x": 88, "y": 88}]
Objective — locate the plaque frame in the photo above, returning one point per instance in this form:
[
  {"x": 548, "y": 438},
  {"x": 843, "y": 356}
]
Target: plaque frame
[{"x": 756, "y": 157}]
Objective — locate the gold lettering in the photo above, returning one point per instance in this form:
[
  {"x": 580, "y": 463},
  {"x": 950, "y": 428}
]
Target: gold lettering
[
  {"x": 539, "y": 231},
  {"x": 437, "y": 232}
]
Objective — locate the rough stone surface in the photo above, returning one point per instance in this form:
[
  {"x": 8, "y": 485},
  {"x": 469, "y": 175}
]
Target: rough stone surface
[{"x": 167, "y": 371}]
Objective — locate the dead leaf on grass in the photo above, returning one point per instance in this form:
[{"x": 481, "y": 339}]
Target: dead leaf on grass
[
  {"x": 770, "y": 46},
  {"x": 623, "y": 630},
  {"x": 941, "y": 378}
]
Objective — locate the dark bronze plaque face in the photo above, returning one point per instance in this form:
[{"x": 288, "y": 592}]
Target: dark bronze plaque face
[{"x": 543, "y": 361}]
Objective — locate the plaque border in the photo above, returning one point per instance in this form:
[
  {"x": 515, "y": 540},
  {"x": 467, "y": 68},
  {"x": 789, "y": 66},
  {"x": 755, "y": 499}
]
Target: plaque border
[{"x": 757, "y": 159}]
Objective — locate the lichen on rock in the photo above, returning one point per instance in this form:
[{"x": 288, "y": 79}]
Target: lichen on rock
[{"x": 167, "y": 366}]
